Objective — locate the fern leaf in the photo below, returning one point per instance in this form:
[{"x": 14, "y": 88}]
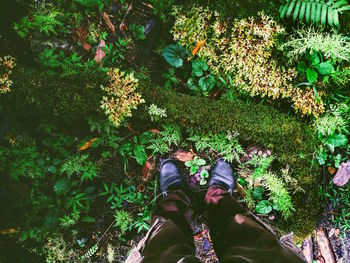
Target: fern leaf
[
  {"x": 324, "y": 14},
  {"x": 330, "y": 16},
  {"x": 336, "y": 18},
  {"x": 339, "y": 4},
  {"x": 296, "y": 10},
  {"x": 290, "y": 8},
  {"x": 313, "y": 12},
  {"x": 284, "y": 10},
  {"x": 308, "y": 12},
  {"x": 318, "y": 13},
  {"x": 344, "y": 8},
  {"x": 302, "y": 10}
]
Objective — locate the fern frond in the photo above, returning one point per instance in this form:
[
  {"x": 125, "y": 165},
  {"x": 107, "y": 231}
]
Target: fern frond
[{"x": 316, "y": 11}]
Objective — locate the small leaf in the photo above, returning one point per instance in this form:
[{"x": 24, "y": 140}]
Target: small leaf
[
  {"x": 203, "y": 182},
  {"x": 325, "y": 68},
  {"x": 204, "y": 174},
  {"x": 242, "y": 181},
  {"x": 189, "y": 163},
  {"x": 174, "y": 55},
  {"x": 198, "y": 66},
  {"x": 258, "y": 192},
  {"x": 263, "y": 207},
  {"x": 206, "y": 83},
  {"x": 52, "y": 169},
  {"x": 337, "y": 140},
  {"x": 311, "y": 75},
  {"x": 193, "y": 169},
  {"x": 88, "y": 219},
  {"x": 140, "y": 154},
  {"x": 301, "y": 67},
  {"x": 200, "y": 162}
]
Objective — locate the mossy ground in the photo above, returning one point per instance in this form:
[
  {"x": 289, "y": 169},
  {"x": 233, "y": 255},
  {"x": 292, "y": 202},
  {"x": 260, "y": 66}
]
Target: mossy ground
[{"x": 287, "y": 136}]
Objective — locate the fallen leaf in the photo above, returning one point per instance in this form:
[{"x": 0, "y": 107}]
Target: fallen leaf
[
  {"x": 9, "y": 231},
  {"x": 197, "y": 47},
  {"x": 148, "y": 171},
  {"x": 82, "y": 33},
  {"x": 154, "y": 131},
  {"x": 331, "y": 170},
  {"x": 87, "y": 144},
  {"x": 343, "y": 174},
  {"x": 184, "y": 156},
  {"x": 100, "y": 54},
  {"x": 108, "y": 22},
  {"x": 141, "y": 188},
  {"x": 87, "y": 46}
]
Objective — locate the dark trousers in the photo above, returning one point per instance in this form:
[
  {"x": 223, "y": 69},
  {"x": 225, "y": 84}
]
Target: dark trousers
[{"x": 236, "y": 237}]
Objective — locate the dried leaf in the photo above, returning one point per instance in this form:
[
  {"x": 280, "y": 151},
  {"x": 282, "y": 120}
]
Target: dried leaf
[
  {"x": 100, "y": 54},
  {"x": 343, "y": 174},
  {"x": 148, "y": 171},
  {"x": 141, "y": 188},
  {"x": 184, "y": 156},
  {"x": 82, "y": 33},
  {"x": 87, "y": 144},
  {"x": 108, "y": 22},
  {"x": 197, "y": 47},
  {"x": 332, "y": 170},
  {"x": 87, "y": 46}
]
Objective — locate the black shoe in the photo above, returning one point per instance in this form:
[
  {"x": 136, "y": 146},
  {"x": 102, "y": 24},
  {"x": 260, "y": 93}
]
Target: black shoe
[
  {"x": 222, "y": 174},
  {"x": 170, "y": 176}
]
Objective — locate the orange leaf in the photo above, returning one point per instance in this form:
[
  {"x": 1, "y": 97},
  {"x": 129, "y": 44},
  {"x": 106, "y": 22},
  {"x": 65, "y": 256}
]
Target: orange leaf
[
  {"x": 108, "y": 22},
  {"x": 87, "y": 144},
  {"x": 197, "y": 47},
  {"x": 8, "y": 231}
]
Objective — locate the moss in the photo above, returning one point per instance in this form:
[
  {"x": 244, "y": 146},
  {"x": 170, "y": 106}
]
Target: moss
[
  {"x": 70, "y": 99},
  {"x": 285, "y": 135}
]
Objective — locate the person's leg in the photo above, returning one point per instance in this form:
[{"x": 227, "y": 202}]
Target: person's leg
[
  {"x": 236, "y": 236},
  {"x": 172, "y": 240}
]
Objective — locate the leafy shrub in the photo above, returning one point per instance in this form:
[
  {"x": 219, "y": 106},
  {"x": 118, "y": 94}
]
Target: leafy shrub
[
  {"x": 80, "y": 165},
  {"x": 123, "y": 221},
  {"x": 120, "y": 97},
  {"x": 314, "y": 11},
  {"x": 224, "y": 144},
  {"x": 156, "y": 113},
  {"x": 333, "y": 46},
  {"x": 245, "y": 49},
  {"x": 7, "y": 63}
]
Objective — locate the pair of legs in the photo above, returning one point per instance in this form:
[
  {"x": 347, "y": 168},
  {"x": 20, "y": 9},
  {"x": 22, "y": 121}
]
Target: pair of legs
[{"x": 236, "y": 237}]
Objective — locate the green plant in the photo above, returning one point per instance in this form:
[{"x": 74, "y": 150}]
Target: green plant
[
  {"x": 224, "y": 144},
  {"x": 92, "y": 4},
  {"x": 114, "y": 52},
  {"x": 195, "y": 164},
  {"x": 121, "y": 96},
  {"x": 314, "y": 11},
  {"x": 81, "y": 166},
  {"x": 204, "y": 177},
  {"x": 88, "y": 254},
  {"x": 123, "y": 221},
  {"x": 333, "y": 46},
  {"x": 174, "y": 54},
  {"x": 156, "y": 113},
  {"x": 23, "y": 27},
  {"x": 48, "y": 23},
  {"x": 138, "y": 31},
  {"x": 170, "y": 135},
  {"x": 278, "y": 194},
  {"x": 206, "y": 80},
  {"x": 7, "y": 63},
  {"x": 170, "y": 78}
]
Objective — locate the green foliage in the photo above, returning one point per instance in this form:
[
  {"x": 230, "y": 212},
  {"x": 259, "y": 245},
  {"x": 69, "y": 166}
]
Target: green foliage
[
  {"x": 81, "y": 166},
  {"x": 123, "y": 221},
  {"x": 263, "y": 207},
  {"x": 225, "y": 145},
  {"x": 114, "y": 52},
  {"x": 339, "y": 197},
  {"x": 278, "y": 194},
  {"x": 92, "y": 4},
  {"x": 169, "y": 136},
  {"x": 138, "y": 31},
  {"x": 174, "y": 54},
  {"x": 333, "y": 46},
  {"x": 162, "y": 8},
  {"x": 89, "y": 253},
  {"x": 58, "y": 63},
  {"x": 204, "y": 177},
  {"x": 206, "y": 80},
  {"x": 195, "y": 164},
  {"x": 314, "y": 11},
  {"x": 170, "y": 78},
  {"x": 156, "y": 113}
]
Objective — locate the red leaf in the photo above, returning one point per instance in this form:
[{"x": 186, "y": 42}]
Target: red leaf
[
  {"x": 108, "y": 22},
  {"x": 184, "y": 156},
  {"x": 100, "y": 54},
  {"x": 148, "y": 171},
  {"x": 87, "y": 46}
]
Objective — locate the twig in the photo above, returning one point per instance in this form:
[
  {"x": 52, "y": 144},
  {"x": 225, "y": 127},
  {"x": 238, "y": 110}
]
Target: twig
[{"x": 98, "y": 241}]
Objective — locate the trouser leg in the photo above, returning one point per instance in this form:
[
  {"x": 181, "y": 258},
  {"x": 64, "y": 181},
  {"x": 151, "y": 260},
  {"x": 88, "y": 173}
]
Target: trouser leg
[
  {"x": 174, "y": 240},
  {"x": 237, "y": 237}
]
